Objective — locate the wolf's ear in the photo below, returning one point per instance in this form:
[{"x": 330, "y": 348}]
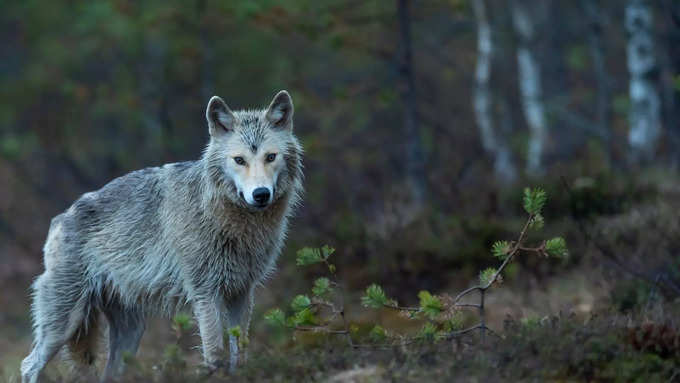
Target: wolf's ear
[
  {"x": 280, "y": 111},
  {"x": 219, "y": 116}
]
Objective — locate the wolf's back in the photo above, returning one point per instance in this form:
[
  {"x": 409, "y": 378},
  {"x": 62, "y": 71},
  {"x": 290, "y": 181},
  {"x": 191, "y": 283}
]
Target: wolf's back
[{"x": 114, "y": 235}]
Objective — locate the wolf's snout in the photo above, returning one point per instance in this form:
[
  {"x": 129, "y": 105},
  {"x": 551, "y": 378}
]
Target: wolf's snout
[{"x": 261, "y": 196}]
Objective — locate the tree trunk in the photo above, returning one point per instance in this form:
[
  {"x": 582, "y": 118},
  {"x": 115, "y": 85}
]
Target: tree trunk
[
  {"x": 415, "y": 163},
  {"x": 530, "y": 86},
  {"x": 645, "y": 104},
  {"x": 493, "y": 144},
  {"x": 671, "y": 76},
  {"x": 593, "y": 10}
]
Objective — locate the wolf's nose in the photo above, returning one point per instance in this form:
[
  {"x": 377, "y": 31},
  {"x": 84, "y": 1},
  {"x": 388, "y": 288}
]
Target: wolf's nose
[{"x": 261, "y": 195}]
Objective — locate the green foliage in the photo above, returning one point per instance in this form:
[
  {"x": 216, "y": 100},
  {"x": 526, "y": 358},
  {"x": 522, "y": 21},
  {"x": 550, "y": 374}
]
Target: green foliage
[
  {"x": 428, "y": 332},
  {"x": 375, "y": 297},
  {"x": 441, "y": 314},
  {"x": 557, "y": 247},
  {"x": 303, "y": 317},
  {"x": 537, "y": 222},
  {"x": 275, "y": 317},
  {"x": 235, "y": 331},
  {"x": 173, "y": 356},
  {"x": 501, "y": 249},
  {"x": 182, "y": 322},
  {"x": 300, "y": 302},
  {"x": 308, "y": 256},
  {"x": 311, "y": 255},
  {"x": 430, "y": 305},
  {"x": 534, "y": 200},
  {"x": 486, "y": 275},
  {"x": 377, "y": 334},
  {"x": 454, "y": 323},
  {"x": 322, "y": 287}
]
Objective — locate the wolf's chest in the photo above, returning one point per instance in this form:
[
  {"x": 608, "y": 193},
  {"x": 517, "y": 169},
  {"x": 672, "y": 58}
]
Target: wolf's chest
[{"x": 239, "y": 258}]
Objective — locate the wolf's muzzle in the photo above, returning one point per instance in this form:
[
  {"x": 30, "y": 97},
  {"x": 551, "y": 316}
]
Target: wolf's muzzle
[{"x": 261, "y": 196}]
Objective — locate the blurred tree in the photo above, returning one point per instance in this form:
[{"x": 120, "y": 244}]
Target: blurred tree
[
  {"x": 595, "y": 21},
  {"x": 493, "y": 143},
  {"x": 645, "y": 111},
  {"x": 529, "y": 79},
  {"x": 671, "y": 73},
  {"x": 415, "y": 161}
]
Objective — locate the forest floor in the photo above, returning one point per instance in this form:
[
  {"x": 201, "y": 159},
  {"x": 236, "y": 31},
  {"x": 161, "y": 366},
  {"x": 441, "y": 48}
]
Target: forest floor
[
  {"x": 591, "y": 342},
  {"x": 585, "y": 321}
]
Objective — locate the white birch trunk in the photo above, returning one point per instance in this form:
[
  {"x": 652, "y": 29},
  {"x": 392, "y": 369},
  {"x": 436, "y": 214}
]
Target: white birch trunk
[
  {"x": 482, "y": 101},
  {"x": 645, "y": 104},
  {"x": 530, "y": 87}
]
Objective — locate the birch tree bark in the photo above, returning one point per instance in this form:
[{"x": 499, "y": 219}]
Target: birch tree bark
[
  {"x": 530, "y": 86},
  {"x": 482, "y": 101},
  {"x": 645, "y": 103}
]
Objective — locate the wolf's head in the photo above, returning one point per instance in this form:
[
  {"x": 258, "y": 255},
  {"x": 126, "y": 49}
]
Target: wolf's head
[{"x": 253, "y": 156}]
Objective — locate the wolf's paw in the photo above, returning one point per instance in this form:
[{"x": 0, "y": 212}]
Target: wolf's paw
[{"x": 208, "y": 369}]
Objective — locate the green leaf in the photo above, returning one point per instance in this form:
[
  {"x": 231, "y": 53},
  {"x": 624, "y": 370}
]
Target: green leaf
[
  {"x": 430, "y": 305},
  {"x": 322, "y": 287},
  {"x": 377, "y": 334},
  {"x": 275, "y": 317},
  {"x": 375, "y": 297},
  {"x": 557, "y": 247},
  {"x": 300, "y": 302},
  {"x": 486, "y": 276},
  {"x": 308, "y": 256},
  {"x": 534, "y": 200},
  {"x": 501, "y": 249}
]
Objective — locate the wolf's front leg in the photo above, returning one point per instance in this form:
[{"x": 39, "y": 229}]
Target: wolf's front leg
[
  {"x": 239, "y": 310},
  {"x": 209, "y": 314}
]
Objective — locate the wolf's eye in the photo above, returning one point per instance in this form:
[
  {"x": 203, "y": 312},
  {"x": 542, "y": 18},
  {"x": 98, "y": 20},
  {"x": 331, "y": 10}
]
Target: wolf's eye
[
  {"x": 271, "y": 157},
  {"x": 239, "y": 160}
]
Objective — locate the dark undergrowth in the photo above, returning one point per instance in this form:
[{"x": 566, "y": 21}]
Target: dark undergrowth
[{"x": 608, "y": 347}]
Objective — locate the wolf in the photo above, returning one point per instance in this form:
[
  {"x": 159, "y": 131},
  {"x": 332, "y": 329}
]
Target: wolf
[{"x": 202, "y": 233}]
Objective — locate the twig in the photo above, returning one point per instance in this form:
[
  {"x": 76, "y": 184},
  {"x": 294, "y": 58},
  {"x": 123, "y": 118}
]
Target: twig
[
  {"x": 474, "y": 305},
  {"x": 482, "y": 315},
  {"x": 478, "y": 326},
  {"x": 402, "y": 308},
  {"x": 340, "y": 286},
  {"x": 320, "y": 329},
  {"x": 511, "y": 254}
]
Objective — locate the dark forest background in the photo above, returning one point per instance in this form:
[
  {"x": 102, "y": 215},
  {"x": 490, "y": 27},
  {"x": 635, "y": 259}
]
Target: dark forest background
[{"x": 422, "y": 122}]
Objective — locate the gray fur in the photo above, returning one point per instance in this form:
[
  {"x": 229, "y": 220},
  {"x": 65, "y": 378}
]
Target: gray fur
[{"x": 156, "y": 239}]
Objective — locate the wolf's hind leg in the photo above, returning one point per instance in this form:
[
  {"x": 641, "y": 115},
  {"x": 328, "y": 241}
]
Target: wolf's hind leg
[
  {"x": 126, "y": 327},
  {"x": 58, "y": 311}
]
